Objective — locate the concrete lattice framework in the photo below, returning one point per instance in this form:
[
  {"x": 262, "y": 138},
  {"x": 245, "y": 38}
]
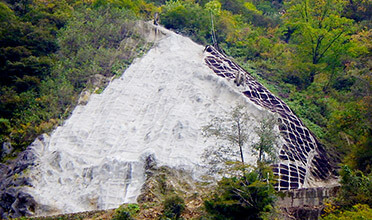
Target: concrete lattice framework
[{"x": 302, "y": 159}]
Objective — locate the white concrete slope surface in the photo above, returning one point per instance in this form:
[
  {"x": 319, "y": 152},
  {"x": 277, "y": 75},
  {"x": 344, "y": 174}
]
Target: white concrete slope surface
[{"x": 95, "y": 160}]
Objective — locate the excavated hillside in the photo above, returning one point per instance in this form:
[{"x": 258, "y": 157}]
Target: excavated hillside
[{"x": 156, "y": 109}]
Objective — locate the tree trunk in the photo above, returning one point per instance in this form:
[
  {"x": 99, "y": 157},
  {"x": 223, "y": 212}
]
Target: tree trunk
[
  {"x": 240, "y": 143},
  {"x": 260, "y": 155}
]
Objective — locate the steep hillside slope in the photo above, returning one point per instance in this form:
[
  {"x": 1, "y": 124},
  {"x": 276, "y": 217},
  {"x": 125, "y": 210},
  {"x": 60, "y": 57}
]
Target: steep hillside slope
[
  {"x": 156, "y": 109},
  {"x": 96, "y": 159}
]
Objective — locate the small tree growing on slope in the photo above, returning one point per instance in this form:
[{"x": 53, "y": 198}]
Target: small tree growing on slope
[
  {"x": 241, "y": 198},
  {"x": 232, "y": 128},
  {"x": 247, "y": 196},
  {"x": 265, "y": 146}
]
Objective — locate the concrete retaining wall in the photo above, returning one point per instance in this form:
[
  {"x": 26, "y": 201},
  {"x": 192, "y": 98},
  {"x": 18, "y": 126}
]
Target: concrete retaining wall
[
  {"x": 305, "y": 203},
  {"x": 307, "y": 197}
]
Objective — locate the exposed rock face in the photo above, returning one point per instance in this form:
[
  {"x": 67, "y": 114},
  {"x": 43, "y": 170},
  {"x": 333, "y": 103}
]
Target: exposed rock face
[
  {"x": 5, "y": 150},
  {"x": 14, "y": 201},
  {"x": 302, "y": 158}
]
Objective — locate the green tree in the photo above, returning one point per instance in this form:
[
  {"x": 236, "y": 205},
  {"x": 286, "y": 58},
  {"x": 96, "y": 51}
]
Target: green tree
[
  {"x": 265, "y": 146},
  {"x": 235, "y": 6},
  {"x": 174, "y": 205},
  {"x": 188, "y": 18},
  {"x": 126, "y": 212},
  {"x": 214, "y": 7},
  {"x": 359, "y": 127},
  {"x": 359, "y": 10},
  {"x": 233, "y": 127},
  {"x": 354, "y": 197},
  {"x": 359, "y": 211},
  {"x": 241, "y": 198},
  {"x": 320, "y": 33},
  {"x": 49, "y": 52},
  {"x": 27, "y": 40},
  {"x": 355, "y": 188}
]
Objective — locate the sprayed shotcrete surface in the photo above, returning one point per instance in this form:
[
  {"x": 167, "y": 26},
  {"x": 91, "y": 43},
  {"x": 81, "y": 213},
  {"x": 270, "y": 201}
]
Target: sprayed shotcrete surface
[{"x": 157, "y": 107}]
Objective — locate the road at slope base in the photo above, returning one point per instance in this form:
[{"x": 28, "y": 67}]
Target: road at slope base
[{"x": 96, "y": 159}]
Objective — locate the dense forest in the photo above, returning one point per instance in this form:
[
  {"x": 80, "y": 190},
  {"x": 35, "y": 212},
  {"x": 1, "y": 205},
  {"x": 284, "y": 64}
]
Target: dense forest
[
  {"x": 50, "y": 52},
  {"x": 314, "y": 54}
]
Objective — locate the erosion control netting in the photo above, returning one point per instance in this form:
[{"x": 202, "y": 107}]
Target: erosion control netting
[{"x": 301, "y": 157}]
